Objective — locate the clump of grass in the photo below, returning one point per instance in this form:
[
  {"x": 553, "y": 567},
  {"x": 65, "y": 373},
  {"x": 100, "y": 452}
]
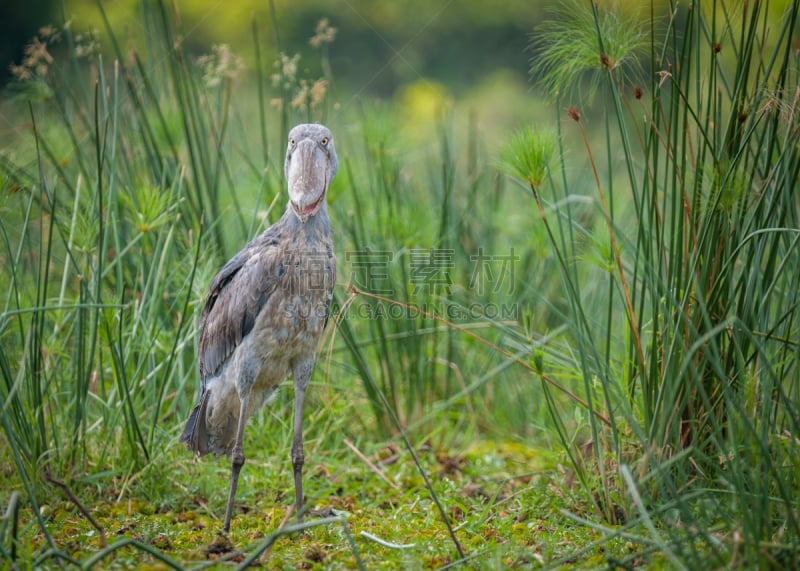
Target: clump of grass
[
  {"x": 576, "y": 47},
  {"x": 531, "y": 155},
  {"x": 690, "y": 349}
]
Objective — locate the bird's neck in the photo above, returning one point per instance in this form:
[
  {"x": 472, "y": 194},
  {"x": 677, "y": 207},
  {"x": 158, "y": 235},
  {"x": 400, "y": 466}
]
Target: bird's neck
[{"x": 315, "y": 223}]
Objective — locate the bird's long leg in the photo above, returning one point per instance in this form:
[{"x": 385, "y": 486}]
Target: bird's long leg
[
  {"x": 297, "y": 450},
  {"x": 237, "y": 461},
  {"x": 302, "y": 375}
]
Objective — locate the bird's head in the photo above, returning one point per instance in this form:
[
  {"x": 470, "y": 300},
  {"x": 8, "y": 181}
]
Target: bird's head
[{"x": 310, "y": 167}]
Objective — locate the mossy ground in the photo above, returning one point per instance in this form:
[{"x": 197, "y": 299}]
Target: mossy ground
[{"x": 503, "y": 499}]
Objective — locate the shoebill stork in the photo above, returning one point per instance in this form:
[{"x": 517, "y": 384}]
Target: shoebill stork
[{"x": 265, "y": 312}]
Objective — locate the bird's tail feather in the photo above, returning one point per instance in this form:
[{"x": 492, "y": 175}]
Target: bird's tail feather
[
  {"x": 202, "y": 436},
  {"x": 194, "y": 433}
]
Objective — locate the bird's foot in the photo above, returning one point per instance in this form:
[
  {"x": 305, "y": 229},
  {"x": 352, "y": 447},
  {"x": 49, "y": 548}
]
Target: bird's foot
[
  {"x": 220, "y": 545},
  {"x": 327, "y": 511}
]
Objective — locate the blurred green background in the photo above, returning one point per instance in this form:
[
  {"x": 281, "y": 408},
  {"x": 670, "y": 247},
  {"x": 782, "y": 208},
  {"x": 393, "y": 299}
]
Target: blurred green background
[
  {"x": 19, "y": 21},
  {"x": 379, "y": 45}
]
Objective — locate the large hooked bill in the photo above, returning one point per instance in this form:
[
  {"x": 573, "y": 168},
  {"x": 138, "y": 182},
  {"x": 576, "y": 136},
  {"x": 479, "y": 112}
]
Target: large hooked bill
[{"x": 308, "y": 179}]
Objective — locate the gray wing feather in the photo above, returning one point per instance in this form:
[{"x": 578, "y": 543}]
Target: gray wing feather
[
  {"x": 236, "y": 296},
  {"x": 330, "y": 268}
]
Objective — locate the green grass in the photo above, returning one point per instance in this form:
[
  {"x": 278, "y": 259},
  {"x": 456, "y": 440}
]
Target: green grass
[
  {"x": 702, "y": 386},
  {"x": 589, "y": 363},
  {"x": 500, "y": 497}
]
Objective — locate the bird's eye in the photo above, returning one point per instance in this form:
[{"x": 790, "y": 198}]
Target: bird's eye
[
  {"x": 291, "y": 142},
  {"x": 324, "y": 141}
]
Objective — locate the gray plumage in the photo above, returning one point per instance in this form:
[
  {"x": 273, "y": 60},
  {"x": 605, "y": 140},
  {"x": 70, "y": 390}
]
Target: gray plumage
[{"x": 265, "y": 312}]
